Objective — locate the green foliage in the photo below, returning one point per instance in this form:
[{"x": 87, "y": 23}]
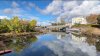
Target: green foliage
[
  {"x": 32, "y": 24},
  {"x": 18, "y": 43},
  {"x": 16, "y": 25}
]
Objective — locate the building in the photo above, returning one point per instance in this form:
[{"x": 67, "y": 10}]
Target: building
[
  {"x": 78, "y": 20},
  {"x": 60, "y": 20}
]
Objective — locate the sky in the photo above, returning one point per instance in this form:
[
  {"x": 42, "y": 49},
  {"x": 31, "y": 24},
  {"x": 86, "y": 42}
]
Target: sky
[{"x": 48, "y": 11}]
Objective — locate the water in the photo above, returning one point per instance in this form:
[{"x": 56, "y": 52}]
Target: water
[{"x": 54, "y": 44}]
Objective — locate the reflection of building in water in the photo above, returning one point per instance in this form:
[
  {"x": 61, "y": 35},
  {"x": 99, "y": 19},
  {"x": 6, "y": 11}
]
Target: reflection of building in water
[
  {"x": 70, "y": 47},
  {"x": 78, "y": 38},
  {"x": 59, "y": 36},
  {"x": 91, "y": 41}
]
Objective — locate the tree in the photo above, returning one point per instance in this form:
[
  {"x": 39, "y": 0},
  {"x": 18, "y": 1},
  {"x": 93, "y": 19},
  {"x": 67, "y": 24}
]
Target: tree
[
  {"x": 24, "y": 25},
  {"x": 32, "y": 24},
  {"x": 92, "y": 19},
  {"x": 3, "y": 25},
  {"x": 16, "y": 25}
]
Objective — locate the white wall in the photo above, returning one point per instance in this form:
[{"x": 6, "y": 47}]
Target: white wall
[{"x": 79, "y": 20}]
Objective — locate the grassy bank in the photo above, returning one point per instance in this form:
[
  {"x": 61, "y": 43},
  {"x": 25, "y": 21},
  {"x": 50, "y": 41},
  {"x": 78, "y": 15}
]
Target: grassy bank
[{"x": 88, "y": 30}]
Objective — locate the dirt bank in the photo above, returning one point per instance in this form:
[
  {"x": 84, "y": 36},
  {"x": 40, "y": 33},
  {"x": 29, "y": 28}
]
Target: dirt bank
[
  {"x": 18, "y": 34},
  {"x": 88, "y": 30}
]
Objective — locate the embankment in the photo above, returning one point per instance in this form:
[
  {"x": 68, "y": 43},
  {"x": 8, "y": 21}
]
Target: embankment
[
  {"x": 88, "y": 30},
  {"x": 19, "y": 34}
]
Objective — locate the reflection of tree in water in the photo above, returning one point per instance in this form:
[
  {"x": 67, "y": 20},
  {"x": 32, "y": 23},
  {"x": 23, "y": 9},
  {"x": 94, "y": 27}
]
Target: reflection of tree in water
[
  {"x": 2, "y": 45},
  {"x": 98, "y": 46},
  {"x": 92, "y": 40},
  {"x": 18, "y": 43},
  {"x": 59, "y": 36}
]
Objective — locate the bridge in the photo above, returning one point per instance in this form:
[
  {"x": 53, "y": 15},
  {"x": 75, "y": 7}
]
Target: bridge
[{"x": 59, "y": 27}]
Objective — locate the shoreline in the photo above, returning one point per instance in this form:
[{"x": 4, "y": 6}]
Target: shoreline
[
  {"x": 89, "y": 31},
  {"x": 19, "y": 34}
]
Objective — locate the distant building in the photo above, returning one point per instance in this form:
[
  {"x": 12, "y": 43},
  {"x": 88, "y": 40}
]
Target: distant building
[
  {"x": 78, "y": 20},
  {"x": 60, "y": 20}
]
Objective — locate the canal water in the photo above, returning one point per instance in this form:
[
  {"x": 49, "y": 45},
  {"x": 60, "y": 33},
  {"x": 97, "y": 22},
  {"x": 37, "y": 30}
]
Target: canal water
[{"x": 54, "y": 44}]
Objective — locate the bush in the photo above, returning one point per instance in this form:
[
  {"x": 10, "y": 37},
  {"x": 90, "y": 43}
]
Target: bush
[{"x": 16, "y": 25}]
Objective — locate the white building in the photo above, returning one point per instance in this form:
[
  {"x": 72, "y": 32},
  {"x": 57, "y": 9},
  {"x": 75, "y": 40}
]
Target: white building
[{"x": 78, "y": 20}]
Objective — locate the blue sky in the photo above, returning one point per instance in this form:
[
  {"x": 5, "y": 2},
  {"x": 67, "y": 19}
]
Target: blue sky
[
  {"x": 46, "y": 11},
  {"x": 25, "y": 9}
]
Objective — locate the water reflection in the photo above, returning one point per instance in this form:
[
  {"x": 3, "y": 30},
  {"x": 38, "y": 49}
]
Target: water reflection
[
  {"x": 55, "y": 44},
  {"x": 17, "y": 43},
  {"x": 75, "y": 46},
  {"x": 78, "y": 38},
  {"x": 91, "y": 40},
  {"x": 60, "y": 35}
]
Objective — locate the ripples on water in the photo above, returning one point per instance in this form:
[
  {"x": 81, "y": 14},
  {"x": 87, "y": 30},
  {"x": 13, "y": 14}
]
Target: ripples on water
[{"x": 54, "y": 44}]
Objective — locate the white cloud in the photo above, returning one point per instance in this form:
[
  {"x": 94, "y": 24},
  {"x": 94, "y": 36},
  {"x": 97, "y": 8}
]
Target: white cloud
[
  {"x": 69, "y": 5},
  {"x": 30, "y": 5},
  {"x": 13, "y": 11},
  {"x": 3, "y": 17},
  {"x": 16, "y": 10},
  {"x": 95, "y": 10},
  {"x": 66, "y": 9},
  {"x": 84, "y": 8},
  {"x": 33, "y": 17},
  {"x": 8, "y": 11},
  {"x": 43, "y": 23},
  {"x": 14, "y": 4},
  {"x": 54, "y": 7}
]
